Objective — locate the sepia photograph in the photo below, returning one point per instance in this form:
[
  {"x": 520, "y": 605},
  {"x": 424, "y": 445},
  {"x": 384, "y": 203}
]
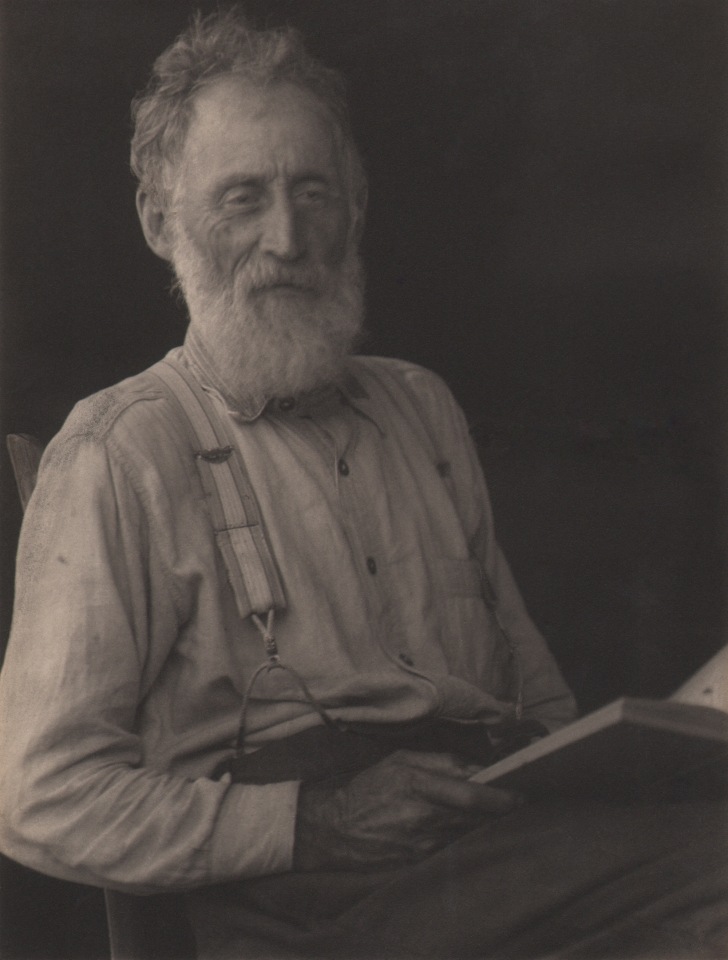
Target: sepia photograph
[{"x": 363, "y": 480}]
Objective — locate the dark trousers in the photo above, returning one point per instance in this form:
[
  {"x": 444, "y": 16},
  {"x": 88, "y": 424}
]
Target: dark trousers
[{"x": 579, "y": 880}]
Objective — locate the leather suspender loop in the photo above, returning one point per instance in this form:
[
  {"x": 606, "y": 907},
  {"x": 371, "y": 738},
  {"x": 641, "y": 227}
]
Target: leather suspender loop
[{"x": 236, "y": 518}]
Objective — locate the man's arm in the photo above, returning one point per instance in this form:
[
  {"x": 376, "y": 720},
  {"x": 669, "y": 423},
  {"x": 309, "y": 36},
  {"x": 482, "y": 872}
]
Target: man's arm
[{"x": 76, "y": 801}]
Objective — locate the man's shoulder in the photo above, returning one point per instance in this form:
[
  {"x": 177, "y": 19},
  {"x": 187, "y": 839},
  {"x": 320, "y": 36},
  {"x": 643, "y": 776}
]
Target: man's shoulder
[
  {"x": 405, "y": 392},
  {"x": 370, "y": 371},
  {"x": 137, "y": 408}
]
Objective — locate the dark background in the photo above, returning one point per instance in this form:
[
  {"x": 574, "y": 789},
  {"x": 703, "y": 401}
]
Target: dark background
[{"x": 546, "y": 231}]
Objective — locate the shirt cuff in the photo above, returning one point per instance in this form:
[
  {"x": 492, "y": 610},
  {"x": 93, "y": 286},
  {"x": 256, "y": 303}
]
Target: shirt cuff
[{"x": 254, "y": 832}]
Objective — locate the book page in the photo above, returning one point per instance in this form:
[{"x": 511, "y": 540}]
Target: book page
[{"x": 709, "y": 686}]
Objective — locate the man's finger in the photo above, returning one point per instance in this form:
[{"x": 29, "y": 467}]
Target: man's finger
[
  {"x": 461, "y": 794},
  {"x": 444, "y": 763}
]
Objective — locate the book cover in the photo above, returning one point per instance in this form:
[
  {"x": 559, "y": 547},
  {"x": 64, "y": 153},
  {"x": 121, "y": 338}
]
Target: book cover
[{"x": 629, "y": 748}]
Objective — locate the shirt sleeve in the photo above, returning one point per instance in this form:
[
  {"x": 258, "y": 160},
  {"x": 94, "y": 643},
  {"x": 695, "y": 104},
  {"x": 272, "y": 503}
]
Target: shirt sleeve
[
  {"x": 76, "y": 801},
  {"x": 546, "y": 697}
]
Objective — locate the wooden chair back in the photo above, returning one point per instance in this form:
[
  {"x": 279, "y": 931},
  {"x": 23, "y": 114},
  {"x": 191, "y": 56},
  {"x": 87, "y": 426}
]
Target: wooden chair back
[{"x": 25, "y": 453}]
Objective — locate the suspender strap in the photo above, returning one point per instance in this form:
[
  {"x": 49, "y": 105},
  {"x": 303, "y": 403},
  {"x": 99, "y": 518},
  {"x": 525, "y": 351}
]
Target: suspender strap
[{"x": 235, "y": 514}]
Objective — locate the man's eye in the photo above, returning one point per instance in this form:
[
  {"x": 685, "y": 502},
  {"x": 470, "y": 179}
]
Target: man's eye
[
  {"x": 311, "y": 194},
  {"x": 241, "y": 198}
]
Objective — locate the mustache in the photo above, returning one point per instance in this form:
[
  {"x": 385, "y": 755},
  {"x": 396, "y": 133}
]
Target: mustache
[{"x": 258, "y": 275}]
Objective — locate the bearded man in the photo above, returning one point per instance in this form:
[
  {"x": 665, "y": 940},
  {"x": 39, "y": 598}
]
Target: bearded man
[{"x": 266, "y": 689}]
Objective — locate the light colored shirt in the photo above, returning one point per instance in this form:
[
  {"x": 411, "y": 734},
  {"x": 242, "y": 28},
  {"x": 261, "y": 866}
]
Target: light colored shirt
[{"x": 128, "y": 659}]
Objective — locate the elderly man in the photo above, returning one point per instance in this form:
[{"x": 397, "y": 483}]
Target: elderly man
[{"x": 264, "y": 633}]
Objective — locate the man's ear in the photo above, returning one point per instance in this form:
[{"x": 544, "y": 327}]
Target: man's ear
[{"x": 155, "y": 225}]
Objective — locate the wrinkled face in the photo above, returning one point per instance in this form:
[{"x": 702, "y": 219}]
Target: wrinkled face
[
  {"x": 260, "y": 183},
  {"x": 263, "y": 239}
]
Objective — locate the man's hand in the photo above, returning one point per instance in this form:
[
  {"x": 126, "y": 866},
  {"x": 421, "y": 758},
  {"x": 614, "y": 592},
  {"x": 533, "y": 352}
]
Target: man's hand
[{"x": 397, "y": 811}]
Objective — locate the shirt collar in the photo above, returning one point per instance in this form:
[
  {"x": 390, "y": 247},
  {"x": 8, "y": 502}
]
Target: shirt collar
[{"x": 346, "y": 389}]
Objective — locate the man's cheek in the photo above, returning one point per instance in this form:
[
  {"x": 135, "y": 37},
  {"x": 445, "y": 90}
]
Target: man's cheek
[
  {"x": 329, "y": 237},
  {"x": 230, "y": 248}
]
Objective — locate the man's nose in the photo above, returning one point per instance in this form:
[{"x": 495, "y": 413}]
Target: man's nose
[{"x": 280, "y": 230}]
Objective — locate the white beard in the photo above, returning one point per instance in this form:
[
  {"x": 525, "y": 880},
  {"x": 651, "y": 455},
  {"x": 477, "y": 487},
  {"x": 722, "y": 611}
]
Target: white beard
[{"x": 262, "y": 344}]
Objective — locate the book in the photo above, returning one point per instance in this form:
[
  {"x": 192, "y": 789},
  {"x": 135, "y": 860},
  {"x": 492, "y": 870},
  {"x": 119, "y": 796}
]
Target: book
[{"x": 631, "y": 748}]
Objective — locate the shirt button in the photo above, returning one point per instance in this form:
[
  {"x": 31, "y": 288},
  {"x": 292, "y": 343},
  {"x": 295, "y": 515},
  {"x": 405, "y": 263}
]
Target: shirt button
[
  {"x": 371, "y": 565},
  {"x": 405, "y": 658},
  {"x": 288, "y": 403},
  {"x": 343, "y": 468}
]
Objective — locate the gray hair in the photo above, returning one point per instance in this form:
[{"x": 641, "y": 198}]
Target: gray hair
[{"x": 215, "y": 46}]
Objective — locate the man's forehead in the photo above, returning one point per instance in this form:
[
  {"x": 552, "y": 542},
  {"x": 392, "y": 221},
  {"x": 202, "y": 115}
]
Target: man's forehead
[
  {"x": 238, "y": 118},
  {"x": 237, "y": 94}
]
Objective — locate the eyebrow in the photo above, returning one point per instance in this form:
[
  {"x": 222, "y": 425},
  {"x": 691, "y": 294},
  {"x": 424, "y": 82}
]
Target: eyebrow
[{"x": 311, "y": 175}]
